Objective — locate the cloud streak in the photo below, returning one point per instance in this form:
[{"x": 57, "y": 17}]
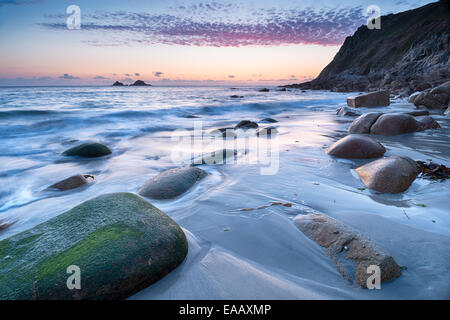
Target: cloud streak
[{"x": 266, "y": 27}]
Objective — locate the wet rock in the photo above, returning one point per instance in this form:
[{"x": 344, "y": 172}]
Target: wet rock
[
  {"x": 356, "y": 146},
  {"x": 118, "y": 84},
  {"x": 267, "y": 132},
  {"x": 418, "y": 113},
  {"x": 191, "y": 116},
  {"x": 350, "y": 251},
  {"x": 235, "y": 96},
  {"x": 264, "y": 90},
  {"x": 224, "y": 156},
  {"x": 447, "y": 112},
  {"x": 389, "y": 175},
  {"x": 373, "y": 99},
  {"x": 246, "y": 124},
  {"x": 88, "y": 150},
  {"x": 224, "y": 132},
  {"x": 73, "y": 182},
  {"x": 120, "y": 243},
  {"x": 269, "y": 120},
  {"x": 363, "y": 123},
  {"x": 413, "y": 96},
  {"x": 171, "y": 183},
  {"x": 282, "y": 89},
  {"x": 428, "y": 122},
  {"x": 435, "y": 98},
  {"x": 390, "y": 124},
  {"x": 346, "y": 111}
]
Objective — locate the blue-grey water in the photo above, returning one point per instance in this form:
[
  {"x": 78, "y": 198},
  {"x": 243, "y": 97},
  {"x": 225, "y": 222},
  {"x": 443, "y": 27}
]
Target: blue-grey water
[{"x": 232, "y": 254}]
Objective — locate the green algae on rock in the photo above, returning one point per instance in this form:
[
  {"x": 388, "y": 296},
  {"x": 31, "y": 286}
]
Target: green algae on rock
[
  {"x": 88, "y": 150},
  {"x": 120, "y": 242}
]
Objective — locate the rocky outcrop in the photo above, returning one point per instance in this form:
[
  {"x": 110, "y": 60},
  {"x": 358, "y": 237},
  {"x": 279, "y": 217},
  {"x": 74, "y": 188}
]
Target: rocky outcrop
[
  {"x": 346, "y": 111},
  {"x": 73, "y": 182},
  {"x": 118, "y": 84},
  {"x": 119, "y": 243},
  {"x": 356, "y": 146},
  {"x": 172, "y": 183},
  {"x": 373, "y": 99},
  {"x": 88, "y": 150},
  {"x": 389, "y": 175},
  {"x": 140, "y": 83},
  {"x": 350, "y": 251},
  {"x": 390, "y": 124},
  {"x": 409, "y": 53},
  {"x": 436, "y": 98}
]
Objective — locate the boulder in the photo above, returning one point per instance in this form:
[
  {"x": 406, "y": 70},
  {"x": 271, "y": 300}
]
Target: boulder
[
  {"x": 346, "y": 111},
  {"x": 428, "y": 122},
  {"x": 390, "y": 124},
  {"x": 356, "y": 146},
  {"x": 373, "y": 99},
  {"x": 246, "y": 124},
  {"x": 73, "y": 182},
  {"x": 172, "y": 183},
  {"x": 119, "y": 243},
  {"x": 435, "y": 98},
  {"x": 418, "y": 113},
  {"x": 223, "y": 156},
  {"x": 267, "y": 132},
  {"x": 363, "y": 123},
  {"x": 88, "y": 150},
  {"x": 269, "y": 120},
  {"x": 224, "y": 132},
  {"x": 349, "y": 250},
  {"x": 235, "y": 96},
  {"x": 264, "y": 90},
  {"x": 413, "y": 96},
  {"x": 389, "y": 175}
]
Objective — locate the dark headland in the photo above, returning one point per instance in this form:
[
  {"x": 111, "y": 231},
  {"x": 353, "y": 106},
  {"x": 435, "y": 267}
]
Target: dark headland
[{"x": 409, "y": 53}]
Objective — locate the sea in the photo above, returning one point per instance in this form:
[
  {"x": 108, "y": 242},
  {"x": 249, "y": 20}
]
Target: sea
[{"x": 240, "y": 246}]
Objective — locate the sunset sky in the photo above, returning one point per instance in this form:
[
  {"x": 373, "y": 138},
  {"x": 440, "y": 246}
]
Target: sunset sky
[{"x": 177, "y": 42}]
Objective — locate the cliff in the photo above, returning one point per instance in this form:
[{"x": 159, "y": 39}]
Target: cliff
[{"x": 409, "y": 53}]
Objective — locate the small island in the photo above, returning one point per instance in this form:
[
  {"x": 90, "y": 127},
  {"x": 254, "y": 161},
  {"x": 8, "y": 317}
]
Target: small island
[
  {"x": 140, "y": 83},
  {"x": 118, "y": 84}
]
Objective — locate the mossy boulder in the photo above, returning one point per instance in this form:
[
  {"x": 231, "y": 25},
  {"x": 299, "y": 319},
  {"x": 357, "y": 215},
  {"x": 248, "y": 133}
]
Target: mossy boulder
[
  {"x": 121, "y": 243},
  {"x": 88, "y": 150},
  {"x": 172, "y": 183}
]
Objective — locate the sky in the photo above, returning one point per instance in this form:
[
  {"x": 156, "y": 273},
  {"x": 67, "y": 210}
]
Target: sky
[{"x": 176, "y": 42}]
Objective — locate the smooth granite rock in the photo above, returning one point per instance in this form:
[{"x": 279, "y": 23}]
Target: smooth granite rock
[
  {"x": 356, "y": 146},
  {"x": 172, "y": 183},
  {"x": 120, "y": 243},
  {"x": 389, "y": 175},
  {"x": 88, "y": 150}
]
